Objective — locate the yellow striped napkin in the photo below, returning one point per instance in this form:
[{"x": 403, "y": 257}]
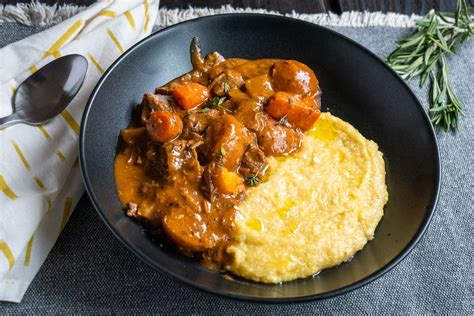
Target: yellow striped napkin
[{"x": 40, "y": 181}]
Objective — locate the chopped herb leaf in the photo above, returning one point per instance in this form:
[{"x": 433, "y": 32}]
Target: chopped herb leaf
[
  {"x": 283, "y": 121},
  {"x": 223, "y": 151},
  {"x": 253, "y": 180},
  {"x": 217, "y": 102},
  {"x": 226, "y": 88}
]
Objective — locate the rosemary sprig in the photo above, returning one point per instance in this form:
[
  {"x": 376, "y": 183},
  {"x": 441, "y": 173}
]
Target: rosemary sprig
[
  {"x": 445, "y": 107},
  {"x": 423, "y": 54}
]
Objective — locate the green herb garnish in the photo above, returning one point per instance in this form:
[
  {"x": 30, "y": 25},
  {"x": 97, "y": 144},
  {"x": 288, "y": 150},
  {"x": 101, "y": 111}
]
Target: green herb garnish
[
  {"x": 226, "y": 88},
  {"x": 283, "y": 121},
  {"x": 205, "y": 110},
  {"x": 445, "y": 107},
  {"x": 223, "y": 151},
  {"x": 253, "y": 180},
  {"x": 423, "y": 54},
  {"x": 216, "y": 102}
]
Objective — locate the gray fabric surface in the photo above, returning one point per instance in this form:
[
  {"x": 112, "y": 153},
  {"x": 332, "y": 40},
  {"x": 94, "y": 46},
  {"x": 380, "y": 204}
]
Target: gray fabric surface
[{"x": 89, "y": 271}]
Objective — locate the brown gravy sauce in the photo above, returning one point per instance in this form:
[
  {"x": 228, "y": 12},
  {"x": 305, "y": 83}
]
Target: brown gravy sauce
[{"x": 195, "y": 145}]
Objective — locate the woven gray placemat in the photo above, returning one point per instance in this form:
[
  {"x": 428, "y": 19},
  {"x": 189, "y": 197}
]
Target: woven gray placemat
[{"x": 89, "y": 271}]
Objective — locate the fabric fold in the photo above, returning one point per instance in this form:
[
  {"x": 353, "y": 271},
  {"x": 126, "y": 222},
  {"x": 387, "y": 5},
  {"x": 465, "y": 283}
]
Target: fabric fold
[{"x": 40, "y": 181}]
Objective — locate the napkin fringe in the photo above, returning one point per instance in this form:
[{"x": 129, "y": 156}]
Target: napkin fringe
[
  {"x": 40, "y": 14},
  {"x": 352, "y": 18},
  {"x": 37, "y": 13}
]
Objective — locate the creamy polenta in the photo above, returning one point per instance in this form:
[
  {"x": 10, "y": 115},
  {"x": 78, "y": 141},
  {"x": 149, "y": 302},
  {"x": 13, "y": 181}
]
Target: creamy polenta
[{"x": 315, "y": 210}]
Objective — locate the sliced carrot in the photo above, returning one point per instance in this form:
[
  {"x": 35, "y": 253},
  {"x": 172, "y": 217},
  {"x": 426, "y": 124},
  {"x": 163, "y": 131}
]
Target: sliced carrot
[
  {"x": 163, "y": 126},
  {"x": 190, "y": 95},
  {"x": 302, "y": 112}
]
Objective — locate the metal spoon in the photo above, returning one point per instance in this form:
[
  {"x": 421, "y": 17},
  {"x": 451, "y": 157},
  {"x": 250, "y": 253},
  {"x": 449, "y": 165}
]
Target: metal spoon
[{"x": 47, "y": 92}]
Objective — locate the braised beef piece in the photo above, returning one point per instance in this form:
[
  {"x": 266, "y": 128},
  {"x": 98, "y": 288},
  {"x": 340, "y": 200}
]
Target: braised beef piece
[
  {"x": 198, "y": 122},
  {"x": 276, "y": 139},
  {"x": 132, "y": 210},
  {"x": 163, "y": 90},
  {"x": 155, "y": 102},
  {"x": 251, "y": 114},
  {"x": 165, "y": 161},
  {"x": 254, "y": 162},
  {"x": 206, "y": 186},
  {"x": 200, "y": 63},
  {"x": 156, "y": 162},
  {"x": 228, "y": 78},
  {"x": 158, "y": 102},
  {"x": 204, "y": 151},
  {"x": 197, "y": 127}
]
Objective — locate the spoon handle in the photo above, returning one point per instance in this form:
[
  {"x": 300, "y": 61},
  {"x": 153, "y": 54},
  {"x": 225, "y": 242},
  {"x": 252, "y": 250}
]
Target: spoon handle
[{"x": 9, "y": 120}]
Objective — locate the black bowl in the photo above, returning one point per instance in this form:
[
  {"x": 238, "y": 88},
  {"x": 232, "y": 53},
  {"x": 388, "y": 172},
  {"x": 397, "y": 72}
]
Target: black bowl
[{"x": 357, "y": 86}]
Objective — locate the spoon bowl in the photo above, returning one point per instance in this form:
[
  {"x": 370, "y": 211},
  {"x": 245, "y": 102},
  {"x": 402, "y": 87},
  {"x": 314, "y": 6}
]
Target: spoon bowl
[{"x": 48, "y": 91}]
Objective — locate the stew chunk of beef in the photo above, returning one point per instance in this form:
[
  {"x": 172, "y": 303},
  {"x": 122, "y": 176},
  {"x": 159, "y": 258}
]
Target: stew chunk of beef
[{"x": 254, "y": 161}]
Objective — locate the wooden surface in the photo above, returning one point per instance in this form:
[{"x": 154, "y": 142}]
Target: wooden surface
[{"x": 302, "y": 6}]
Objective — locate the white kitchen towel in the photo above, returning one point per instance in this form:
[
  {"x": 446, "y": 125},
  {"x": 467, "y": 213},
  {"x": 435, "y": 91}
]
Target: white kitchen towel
[{"x": 40, "y": 181}]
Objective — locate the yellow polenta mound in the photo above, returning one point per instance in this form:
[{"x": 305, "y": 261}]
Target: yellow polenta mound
[{"x": 317, "y": 208}]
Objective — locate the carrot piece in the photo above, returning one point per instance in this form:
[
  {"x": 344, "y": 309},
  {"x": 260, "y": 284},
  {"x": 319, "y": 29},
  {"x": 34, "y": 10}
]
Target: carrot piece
[
  {"x": 163, "y": 126},
  {"x": 302, "y": 112},
  {"x": 227, "y": 182},
  {"x": 190, "y": 95}
]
